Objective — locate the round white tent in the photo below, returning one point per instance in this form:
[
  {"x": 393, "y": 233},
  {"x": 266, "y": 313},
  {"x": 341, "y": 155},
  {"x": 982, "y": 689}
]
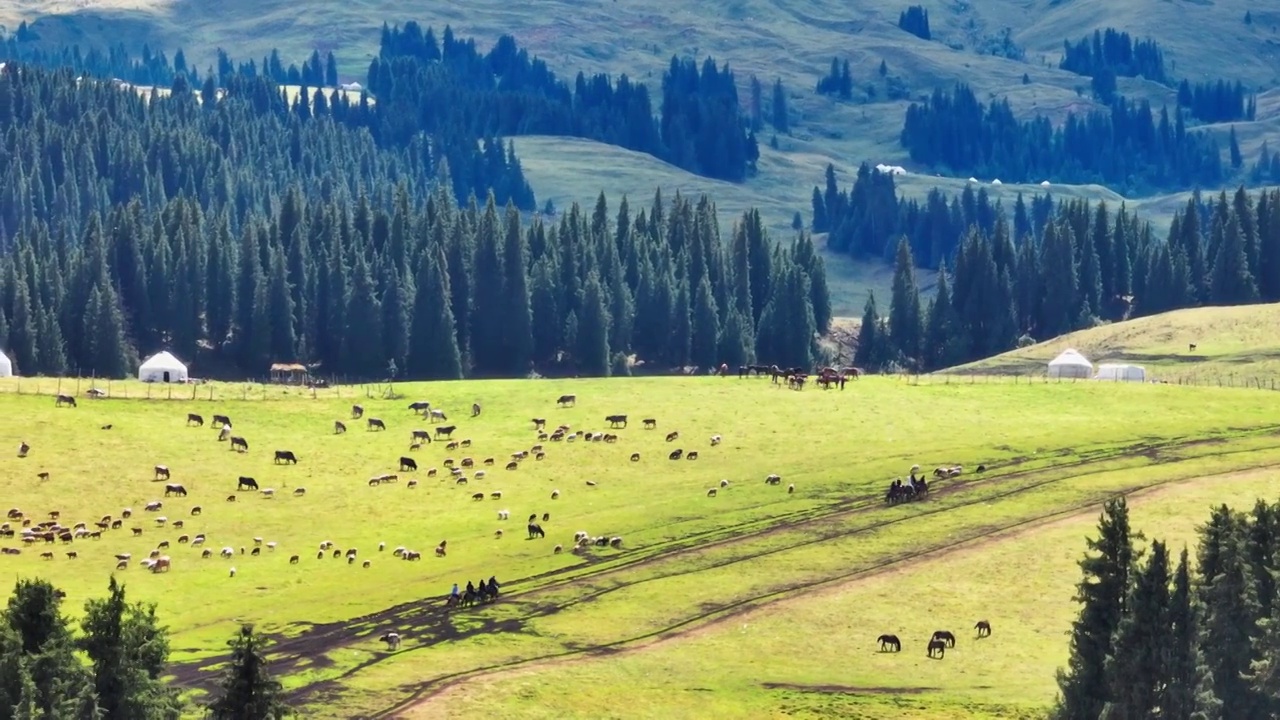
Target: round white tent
[
  {"x": 163, "y": 367},
  {"x": 1070, "y": 364},
  {"x": 6, "y": 366},
  {"x": 1123, "y": 373}
]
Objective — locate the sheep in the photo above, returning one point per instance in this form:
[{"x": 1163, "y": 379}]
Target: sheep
[
  {"x": 228, "y": 552},
  {"x": 496, "y": 495},
  {"x": 497, "y": 534},
  {"x": 256, "y": 552},
  {"x": 615, "y": 542},
  {"x": 791, "y": 488},
  {"x": 299, "y": 492},
  {"x": 724, "y": 483},
  {"x": 504, "y": 514},
  {"x": 711, "y": 492},
  {"x": 294, "y": 559},
  {"x": 715, "y": 440},
  {"x": 233, "y": 571},
  {"x": 580, "y": 534},
  {"x": 412, "y": 484},
  {"x": 271, "y": 545},
  {"x": 257, "y": 541},
  {"x": 367, "y": 564},
  {"x": 440, "y": 549},
  {"x": 591, "y": 483},
  {"x": 382, "y": 546},
  {"x": 480, "y": 474},
  {"x": 392, "y": 639},
  {"x": 635, "y": 457},
  {"x": 206, "y": 554},
  {"x": 555, "y": 494},
  {"x": 269, "y": 493},
  {"x": 773, "y": 480},
  {"x": 557, "y": 550}
]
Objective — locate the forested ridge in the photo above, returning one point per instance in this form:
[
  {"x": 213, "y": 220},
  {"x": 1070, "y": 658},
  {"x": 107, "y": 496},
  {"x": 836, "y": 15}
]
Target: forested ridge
[
  {"x": 1049, "y": 269},
  {"x": 1193, "y": 640},
  {"x": 239, "y": 232}
]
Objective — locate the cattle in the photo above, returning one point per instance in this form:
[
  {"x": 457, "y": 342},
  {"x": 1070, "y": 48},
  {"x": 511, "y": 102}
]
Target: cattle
[
  {"x": 220, "y": 421},
  {"x": 162, "y": 472},
  {"x": 435, "y": 414},
  {"x": 376, "y": 424},
  {"x": 194, "y": 420},
  {"x": 616, "y": 420},
  {"x": 420, "y": 406},
  {"x": 672, "y": 436},
  {"x": 445, "y": 430},
  {"x": 635, "y": 457},
  {"x": 650, "y": 423},
  {"x": 539, "y": 423},
  {"x": 565, "y": 400},
  {"x": 357, "y": 412},
  {"x": 417, "y": 435},
  {"x": 175, "y": 489},
  {"x": 535, "y": 530},
  {"x": 475, "y": 409},
  {"x": 65, "y": 400},
  {"x": 246, "y": 483},
  {"x": 675, "y": 455},
  {"x": 407, "y": 464},
  {"x": 239, "y": 443},
  {"x": 286, "y": 456},
  {"x": 339, "y": 427}
]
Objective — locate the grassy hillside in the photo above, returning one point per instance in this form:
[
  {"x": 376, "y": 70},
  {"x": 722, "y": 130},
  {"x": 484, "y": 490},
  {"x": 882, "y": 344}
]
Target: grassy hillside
[
  {"x": 1233, "y": 345},
  {"x": 789, "y": 39},
  {"x": 687, "y": 560}
]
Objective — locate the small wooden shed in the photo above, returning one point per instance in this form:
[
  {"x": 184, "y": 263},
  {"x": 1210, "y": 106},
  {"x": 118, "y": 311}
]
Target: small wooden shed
[{"x": 289, "y": 373}]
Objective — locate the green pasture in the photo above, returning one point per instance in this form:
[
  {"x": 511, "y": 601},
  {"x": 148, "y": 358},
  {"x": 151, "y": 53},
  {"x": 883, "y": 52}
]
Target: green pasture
[{"x": 687, "y": 559}]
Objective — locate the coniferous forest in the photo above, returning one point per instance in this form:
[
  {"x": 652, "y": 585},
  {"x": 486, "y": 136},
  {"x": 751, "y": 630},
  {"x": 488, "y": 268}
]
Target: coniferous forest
[
  {"x": 241, "y": 232},
  {"x": 1188, "y": 638}
]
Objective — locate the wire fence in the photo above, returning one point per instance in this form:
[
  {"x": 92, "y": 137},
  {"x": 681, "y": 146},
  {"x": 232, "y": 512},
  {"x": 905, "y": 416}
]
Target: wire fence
[
  {"x": 1243, "y": 381},
  {"x": 100, "y": 388}
]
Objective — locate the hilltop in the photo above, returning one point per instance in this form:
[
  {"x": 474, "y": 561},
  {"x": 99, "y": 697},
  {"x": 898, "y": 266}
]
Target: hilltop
[
  {"x": 1233, "y": 345},
  {"x": 791, "y": 41}
]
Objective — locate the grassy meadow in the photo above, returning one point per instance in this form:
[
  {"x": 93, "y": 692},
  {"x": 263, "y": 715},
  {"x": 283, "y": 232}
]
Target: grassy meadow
[
  {"x": 1234, "y": 346},
  {"x": 690, "y": 569}
]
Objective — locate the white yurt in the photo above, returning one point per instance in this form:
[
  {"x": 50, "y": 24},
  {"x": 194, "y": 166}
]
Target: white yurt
[
  {"x": 1121, "y": 373},
  {"x": 163, "y": 367},
  {"x": 1070, "y": 364},
  {"x": 6, "y": 366}
]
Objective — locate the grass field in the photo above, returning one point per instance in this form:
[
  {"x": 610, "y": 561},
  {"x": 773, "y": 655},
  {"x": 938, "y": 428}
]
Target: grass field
[
  {"x": 691, "y": 568},
  {"x": 786, "y": 39},
  {"x": 1234, "y": 346}
]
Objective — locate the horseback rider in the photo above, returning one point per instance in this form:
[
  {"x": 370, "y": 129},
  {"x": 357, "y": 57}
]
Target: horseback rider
[{"x": 471, "y": 589}]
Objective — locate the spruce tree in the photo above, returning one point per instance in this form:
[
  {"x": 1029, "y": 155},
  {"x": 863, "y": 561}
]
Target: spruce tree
[
  {"x": 364, "y": 324},
  {"x": 905, "y": 329},
  {"x": 593, "y": 330},
  {"x": 129, "y": 651},
  {"x": 868, "y": 335},
  {"x": 1137, "y": 667},
  {"x": 517, "y": 316},
  {"x": 1231, "y": 283},
  {"x": 433, "y": 346},
  {"x": 1101, "y": 592},
  {"x": 1185, "y": 677},
  {"x": 1230, "y": 623},
  {"x": 247, "y": 691}
]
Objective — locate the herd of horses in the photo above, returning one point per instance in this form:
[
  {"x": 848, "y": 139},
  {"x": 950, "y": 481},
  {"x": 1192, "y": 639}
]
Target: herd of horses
[
  {"x": 938, "y": 642},
  {"x": 485, "y": 592},
  {"x": 796, "y": 377}
]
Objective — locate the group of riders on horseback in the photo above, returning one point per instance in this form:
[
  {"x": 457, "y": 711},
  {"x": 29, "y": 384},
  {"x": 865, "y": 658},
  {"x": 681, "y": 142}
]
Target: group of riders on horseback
[
  {"x": 485, "y": 593},
  {"x": 915, "y": 488}
]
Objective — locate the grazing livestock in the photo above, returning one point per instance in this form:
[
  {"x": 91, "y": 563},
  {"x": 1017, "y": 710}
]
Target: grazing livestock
[
  {"x": 43, "y": 475},
  {"x": 231, "y": 498},
  {"x": 615, "y": 542},
  {"x": 412, "y": 484},
  {"x": 153, "y": 506},
  {"x": 269, "y": 493},
  {"x": 477, "y": 496},
  {"x": 420, "y": 435},
  {"x": 421, "y": 406},
  {"x": 452, "y": 445},
  {"x": 445, "y": 430},
  {"x": 496, "y": 495},
  {"x": 672, "y": 436},
  {"x": 546, "y": 516},
  {"x": 162, "y": 472},
  {"x": 220, "y": 421},
  {"x": 591, "y": 483},
  {"x": 475, "y": 409},
  {"x": 889, "y": 643},
  {"x": 984, "y": 628},
  {"x": 945, "y": 636},
  {"x": 635, "y": 457},
  {"x": 565, "y": 400},
  {"x": 466, "y": 442},
  {"x": 557, "y": 550},
  {"x": 65, "y": 400},
  {"x": 239, "y": 443},
  {"x": 195, "y": 420},
  {"x": 392, "y": 639},
  {"x": 650, "y": 423},
  {"x": 436, "y": 414},
  {"x": 339, "y": 427},
  {"x": 407, "y": 464},
  {"x": 23, "y": 449},
  {"x": 224, "y": 434},
  {"x": 174, "y": 489},
  {"x": 376, "y": 424},
  {"x": 286, "y": 456},
  {"x": 715, "y": 440},
  {"x": 675, "y": 455},
  {"x": 441, "y": 551},
  {"x": 513, "y": 465},
  {"x": 616, "y": 420},
  {"x": 539, "y": 423},
  {"x": 939, "y": 647},
  {"x": 357, "y": 412},
  {"x": 724, "y": 483},
  {"x": 693, "y": 455},
  {"x": 982, "y": 468},
  {"x": 299, "y": 492},
  {"x": 555, "y": 494},
  {"x": 773, "y": 480},
  {"x": 246, "y": 483},
  {"x": 711, "y": 492},
  {"x": 293, "y": 559},
  {"x": 535, "y": 530},
  {"x": 791, "y": 488}
]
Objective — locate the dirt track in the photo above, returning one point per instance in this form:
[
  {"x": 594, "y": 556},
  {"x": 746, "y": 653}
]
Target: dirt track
[{"x": 535, "y": 596}]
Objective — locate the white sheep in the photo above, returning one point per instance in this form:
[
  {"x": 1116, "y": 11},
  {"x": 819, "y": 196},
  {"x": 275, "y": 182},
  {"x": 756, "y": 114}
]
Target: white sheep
[
  {"x": 228, "y": 552},
  {"x": 724, "y": 483},
  {"x": 271, "y": 545},
  {"x": 504, "y": 514},
  {"x": 715, "y": 440},
  {"x": 269, "y": 493},
  {"x": 382, "y": 546},
  {"x": 791, "y": 488},
  {"x": 233, "y": 571}
]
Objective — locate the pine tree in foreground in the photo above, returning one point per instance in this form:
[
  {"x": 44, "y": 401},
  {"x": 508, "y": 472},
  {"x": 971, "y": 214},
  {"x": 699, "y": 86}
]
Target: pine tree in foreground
[{"x": 247, "y": 692}]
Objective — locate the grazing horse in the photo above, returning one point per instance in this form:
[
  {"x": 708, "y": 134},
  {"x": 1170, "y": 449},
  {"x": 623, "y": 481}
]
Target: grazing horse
[
  {"x": 945, "y": 636},
  {"x": 566, "y": 400},
  {"x": 339, "y": 427},
  {"x": 286, "y": 456},
  {"x": 984, "y": 628},
  {"x": 376, "y": 424},
  {"x": 939, "y": 647},
  {"x": 616, "y": 420},
  {"x": 194, "y": 419},
  {"x": 162, "y": 472},
  {"x": 65, "y": 400},
  {"x": 889, "y": 643}
]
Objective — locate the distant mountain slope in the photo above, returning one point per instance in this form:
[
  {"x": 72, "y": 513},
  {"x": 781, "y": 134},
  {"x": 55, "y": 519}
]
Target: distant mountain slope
[{"x": 1233, "y": 345}]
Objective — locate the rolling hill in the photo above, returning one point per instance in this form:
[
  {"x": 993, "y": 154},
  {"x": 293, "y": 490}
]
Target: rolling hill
[
  {"x": 1234, "y": 345},
  {"x": 785, "y": 39}
]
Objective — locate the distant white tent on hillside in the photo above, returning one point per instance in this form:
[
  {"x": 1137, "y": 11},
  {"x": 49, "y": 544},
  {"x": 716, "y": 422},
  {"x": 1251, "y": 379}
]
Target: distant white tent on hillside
[
  {"x": 1070, "y": 364},
  {"x": 1121, "y": 373},
  {"x": 6, "y": 366},
  {"x": 996, "y": 182},
  {"x": 163, "y": 367},
  {"x": 891, "y": 169},
  {"x": 351, "y": 87}
]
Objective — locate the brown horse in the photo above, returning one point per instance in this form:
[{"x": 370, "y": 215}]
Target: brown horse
[
  {"x": 984, "y": 628},
  {"x": 889, "y": 643},
  {"x": 938, "y": 646}
]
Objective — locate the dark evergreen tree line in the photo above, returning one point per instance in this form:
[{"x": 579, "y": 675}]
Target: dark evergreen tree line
[
  {"x": 1115, "y": 52},
  {"x": 1159, "y": 639},
  {"x": 448, "y": 85},
  {"x": 113, "y": 62},
  {"x": 837, "y": 81},
  {"x": 1050, "y": 270},
  {"x": 915, "y": 20},
  {"x": 1127, "y": 147},
  {"x": 1215, "y": 102}
]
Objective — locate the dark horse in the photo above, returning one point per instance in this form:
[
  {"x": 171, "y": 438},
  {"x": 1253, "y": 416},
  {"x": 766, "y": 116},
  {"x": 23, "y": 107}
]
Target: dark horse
[
  {"x": 914, "y": 489},
  {"x": 945, "y": 636},
  {"x": 889, "y": 643},
  {"x": 938, "y": 646},
  {"x": 984, "y": 628}
]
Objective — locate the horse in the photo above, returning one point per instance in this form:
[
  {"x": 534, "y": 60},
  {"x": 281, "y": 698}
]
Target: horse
[
  {"x": 946, "y": 637},
  {"x": 889, "y": 643},
  {"x": 65, "y": 400},
  {"x": 984, "y": 628},
  {"x": 939, "y": 646}
]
